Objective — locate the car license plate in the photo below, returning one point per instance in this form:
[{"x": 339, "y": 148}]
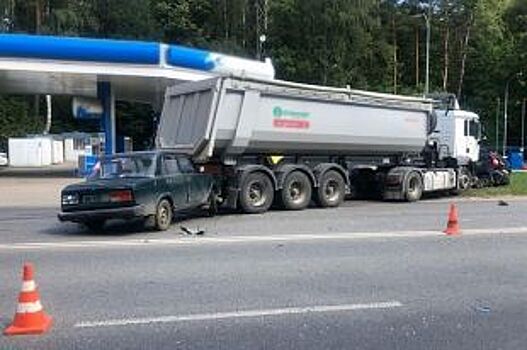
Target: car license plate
[{"x": 90, "y": 199}]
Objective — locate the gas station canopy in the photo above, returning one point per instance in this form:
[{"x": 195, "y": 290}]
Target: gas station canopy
[
  {"x": 110, "y": 70},
  {"x": 137, "y": 71}
]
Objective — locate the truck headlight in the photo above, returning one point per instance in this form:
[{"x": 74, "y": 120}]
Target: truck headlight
[{"x": 70, "y": 199}]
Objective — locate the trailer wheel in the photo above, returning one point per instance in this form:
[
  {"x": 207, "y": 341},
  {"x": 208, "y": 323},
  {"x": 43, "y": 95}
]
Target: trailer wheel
[
  {"x": 257, "y": 193},
  {"x": 331, "y": 190},
  {"x": 296, "y": 191},
  {"x": 414, "y": 187}
]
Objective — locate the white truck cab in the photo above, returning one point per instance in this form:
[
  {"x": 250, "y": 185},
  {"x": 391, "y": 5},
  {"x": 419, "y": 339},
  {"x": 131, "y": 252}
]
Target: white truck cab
[{"x": 457, "y": 134}]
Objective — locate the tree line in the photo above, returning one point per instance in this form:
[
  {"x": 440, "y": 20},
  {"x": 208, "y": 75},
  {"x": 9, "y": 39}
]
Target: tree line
[{"x": 476, "y": 46}]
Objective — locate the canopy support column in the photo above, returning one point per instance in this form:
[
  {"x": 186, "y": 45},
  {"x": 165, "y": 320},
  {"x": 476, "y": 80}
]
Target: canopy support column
[{"x": 108, "y": 125}]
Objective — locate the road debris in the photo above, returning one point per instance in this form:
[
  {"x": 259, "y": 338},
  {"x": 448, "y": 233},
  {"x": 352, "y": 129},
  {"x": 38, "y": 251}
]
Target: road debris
[
  {"x": 190, "y": 232},
  {"x": 483, "y": 309}
]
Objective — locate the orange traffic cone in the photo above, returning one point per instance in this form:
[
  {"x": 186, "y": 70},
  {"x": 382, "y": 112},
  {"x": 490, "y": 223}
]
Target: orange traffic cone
[
  {"x": 452, "y": 228},
  {"x": 30, "y": 317}
]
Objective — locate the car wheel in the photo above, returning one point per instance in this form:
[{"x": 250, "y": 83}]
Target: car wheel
[
  {"x": 164, "y": 214},
  {"x": 95, "y": 225},
  {"x": 296, "y": 192},
  {"x": 331, "y": 191},
  {"x": 257, "y": 193}
]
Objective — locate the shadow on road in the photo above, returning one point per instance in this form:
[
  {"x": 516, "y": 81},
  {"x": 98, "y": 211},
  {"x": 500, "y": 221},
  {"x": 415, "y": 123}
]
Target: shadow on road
[
  {"x": 112, "y": 229},
  {"x": 119, "y": 228}
]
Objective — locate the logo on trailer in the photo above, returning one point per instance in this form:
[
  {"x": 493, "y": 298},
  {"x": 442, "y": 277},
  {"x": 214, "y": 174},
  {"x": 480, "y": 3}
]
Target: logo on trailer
[{"x": 289, "y": 119}]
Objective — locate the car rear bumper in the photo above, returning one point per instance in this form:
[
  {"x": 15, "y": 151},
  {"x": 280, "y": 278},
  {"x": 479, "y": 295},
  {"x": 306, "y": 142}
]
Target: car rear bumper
[{"x": 103, "y": 214}]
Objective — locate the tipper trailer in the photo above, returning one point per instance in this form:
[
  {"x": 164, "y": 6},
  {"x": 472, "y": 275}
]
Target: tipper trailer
[{"x": 271, "y": 141}]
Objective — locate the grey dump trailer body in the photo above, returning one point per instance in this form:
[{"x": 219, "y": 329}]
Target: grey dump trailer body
[
  {"x": 224, "y": 118},
  {"x": 270, "y": 139}
]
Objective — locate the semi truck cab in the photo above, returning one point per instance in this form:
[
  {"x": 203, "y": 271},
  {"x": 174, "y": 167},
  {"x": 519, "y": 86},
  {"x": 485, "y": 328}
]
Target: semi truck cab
[{"x": 457, "y": 134}]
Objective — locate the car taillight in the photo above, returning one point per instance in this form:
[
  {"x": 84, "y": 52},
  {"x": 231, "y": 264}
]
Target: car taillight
[{"x": 121, "y": 196}]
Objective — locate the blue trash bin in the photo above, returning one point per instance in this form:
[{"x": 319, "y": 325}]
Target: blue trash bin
[{"x": 515, "y": 158}]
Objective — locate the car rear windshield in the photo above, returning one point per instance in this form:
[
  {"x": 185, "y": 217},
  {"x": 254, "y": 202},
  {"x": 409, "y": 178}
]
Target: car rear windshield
[{"x": 143, "y": 165}]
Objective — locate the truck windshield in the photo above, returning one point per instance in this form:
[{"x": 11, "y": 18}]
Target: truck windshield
[{"x": 127, "y": 166}]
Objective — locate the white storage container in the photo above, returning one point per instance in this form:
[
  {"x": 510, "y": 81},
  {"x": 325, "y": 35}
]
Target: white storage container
[
  {"x": 73, "y": 148},
  {"x": 30, "y": 152},
  {"x": 57, "y": 156}
]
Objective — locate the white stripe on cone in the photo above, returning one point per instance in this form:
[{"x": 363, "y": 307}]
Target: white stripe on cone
[
  {"x": 24, "y": 308},
  {"x": 29, "y": 286}
]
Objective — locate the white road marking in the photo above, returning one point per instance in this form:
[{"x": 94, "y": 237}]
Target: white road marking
[
  {"x": 240, "y": 314},
  {"x": 181, "y": 241}
]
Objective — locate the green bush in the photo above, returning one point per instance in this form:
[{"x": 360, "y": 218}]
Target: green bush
[{"x": 15, "y": 119}]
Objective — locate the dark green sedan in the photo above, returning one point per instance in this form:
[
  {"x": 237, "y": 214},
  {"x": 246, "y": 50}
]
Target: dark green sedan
[{"x": 142, "y": 185}]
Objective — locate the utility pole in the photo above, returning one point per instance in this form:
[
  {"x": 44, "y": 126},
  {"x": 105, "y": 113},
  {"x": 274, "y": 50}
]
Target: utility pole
[
  {"x": 498, "y": 110},
  {"x": 8, "y": 16},
  {"x": 522, "y": 145},
  {"x": 262, "y": 9},
  {"x": 505, "y": 116},
  {"x": 38, "y": 25},
  {"x": 417, "y": 57},
  {"x": 244, "y": 24},
  {"x": 395, "y": 60},
  {"x": 506, "y": 110},
  {"x": 428, "y": 18}
]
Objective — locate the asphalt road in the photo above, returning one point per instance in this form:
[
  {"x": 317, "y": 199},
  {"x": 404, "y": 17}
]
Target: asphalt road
[
  {"x": 40, "y": 224},
  {"x": 428, "y": 292},
  {"x": 368, "y": 275}
]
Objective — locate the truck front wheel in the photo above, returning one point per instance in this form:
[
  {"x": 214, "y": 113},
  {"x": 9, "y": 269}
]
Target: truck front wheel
[
  {"x": 257, "y": 193},
  {"x": 296, "y": 192},
  {"x": 331, "y": 190}
]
